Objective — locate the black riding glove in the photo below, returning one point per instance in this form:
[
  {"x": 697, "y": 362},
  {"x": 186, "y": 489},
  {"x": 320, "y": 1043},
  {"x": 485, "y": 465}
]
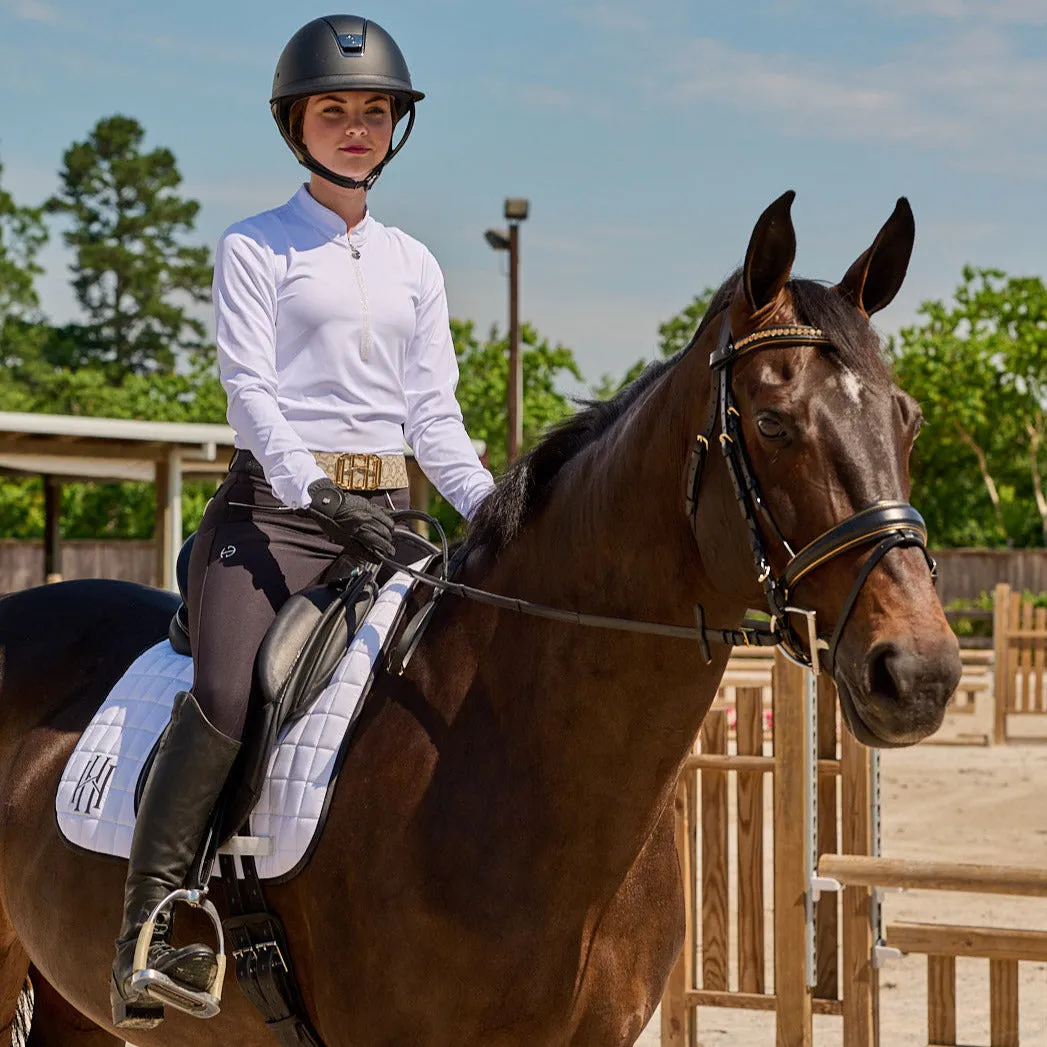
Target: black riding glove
[{"x": 349, "y": 520}]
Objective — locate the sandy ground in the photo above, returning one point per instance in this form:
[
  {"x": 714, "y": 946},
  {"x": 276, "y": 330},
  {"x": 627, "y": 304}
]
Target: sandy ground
[{"x": 964, "y": 803}]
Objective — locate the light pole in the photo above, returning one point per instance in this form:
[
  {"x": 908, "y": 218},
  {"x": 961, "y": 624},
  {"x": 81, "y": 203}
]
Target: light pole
[{"x": 515, "y": 211}]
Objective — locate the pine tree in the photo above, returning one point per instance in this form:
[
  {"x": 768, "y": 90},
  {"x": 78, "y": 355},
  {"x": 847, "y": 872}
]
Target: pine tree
[{"x": 133, "y": 275}]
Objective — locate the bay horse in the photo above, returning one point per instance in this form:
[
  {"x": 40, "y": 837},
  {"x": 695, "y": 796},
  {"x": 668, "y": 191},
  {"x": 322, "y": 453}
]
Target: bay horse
[{"x": 498, "y": 866}]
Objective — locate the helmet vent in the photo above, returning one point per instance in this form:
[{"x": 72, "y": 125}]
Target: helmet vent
[{"x": 351, "y": 43}]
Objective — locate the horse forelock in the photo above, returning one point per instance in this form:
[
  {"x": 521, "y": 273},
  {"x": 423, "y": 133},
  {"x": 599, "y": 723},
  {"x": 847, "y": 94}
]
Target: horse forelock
[{"x": 526, "y": 484}]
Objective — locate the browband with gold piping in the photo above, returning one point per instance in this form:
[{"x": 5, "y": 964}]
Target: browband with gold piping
[{"x": 784, "y": 336}]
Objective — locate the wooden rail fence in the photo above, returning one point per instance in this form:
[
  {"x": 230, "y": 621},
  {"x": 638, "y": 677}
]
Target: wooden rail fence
[
  {"x": 818, "y": 949},
  {"x": 1020, "y": 649},
  {"x": 738, "y": 963}
]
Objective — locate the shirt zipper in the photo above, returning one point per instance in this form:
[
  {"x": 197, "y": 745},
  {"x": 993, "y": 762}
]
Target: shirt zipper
[{"x": 365, "y": 345}]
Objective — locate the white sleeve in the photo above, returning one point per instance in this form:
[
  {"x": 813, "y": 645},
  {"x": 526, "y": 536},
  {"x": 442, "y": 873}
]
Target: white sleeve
[
  {"x": 244, "y": 293},
  {"x": 434, "y": 428}
]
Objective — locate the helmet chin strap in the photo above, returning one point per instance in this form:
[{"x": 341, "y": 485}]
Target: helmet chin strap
[{"x": 307, "y": 161}]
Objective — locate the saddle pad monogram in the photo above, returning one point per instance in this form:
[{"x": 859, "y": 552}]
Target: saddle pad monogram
[{"x": 95, "y": 799}]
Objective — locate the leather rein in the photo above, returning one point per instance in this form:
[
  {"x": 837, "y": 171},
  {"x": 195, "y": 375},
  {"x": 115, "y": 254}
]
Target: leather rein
[{"x": 885, "y": 524}]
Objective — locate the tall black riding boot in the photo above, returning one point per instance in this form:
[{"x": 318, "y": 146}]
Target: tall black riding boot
[{"x": 189, "y": 771}]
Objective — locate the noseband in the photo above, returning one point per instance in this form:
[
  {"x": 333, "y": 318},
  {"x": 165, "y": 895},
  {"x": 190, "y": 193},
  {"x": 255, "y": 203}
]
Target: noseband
[{"x": 885, "y": 525}]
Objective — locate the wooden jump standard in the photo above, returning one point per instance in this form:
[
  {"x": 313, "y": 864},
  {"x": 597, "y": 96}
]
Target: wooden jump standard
[
  {"x": 827, "y": 881},
  {"x": 807, "y": 766},
  {"x": 1020, "y": 645},
  {"x": 943, "y": 943}
]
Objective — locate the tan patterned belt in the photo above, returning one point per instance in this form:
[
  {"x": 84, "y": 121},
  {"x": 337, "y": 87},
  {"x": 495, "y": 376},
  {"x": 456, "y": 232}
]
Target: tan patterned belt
[{"x": 364, "y": 472}]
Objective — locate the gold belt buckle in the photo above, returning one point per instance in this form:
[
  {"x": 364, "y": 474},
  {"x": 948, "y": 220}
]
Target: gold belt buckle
[{"x": 359, "y": 472}]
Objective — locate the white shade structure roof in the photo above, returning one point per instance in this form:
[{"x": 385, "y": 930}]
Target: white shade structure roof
[{"x": 72, "y": 448}]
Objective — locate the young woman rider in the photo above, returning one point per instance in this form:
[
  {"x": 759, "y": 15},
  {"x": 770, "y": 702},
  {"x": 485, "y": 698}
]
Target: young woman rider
[{"x": 333, "y": 347}]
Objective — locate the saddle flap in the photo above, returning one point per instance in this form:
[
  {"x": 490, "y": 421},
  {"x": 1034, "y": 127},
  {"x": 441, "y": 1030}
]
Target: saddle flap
[
  {"x": 297, "y": 658},
  {"x": 308, "y": 638}
]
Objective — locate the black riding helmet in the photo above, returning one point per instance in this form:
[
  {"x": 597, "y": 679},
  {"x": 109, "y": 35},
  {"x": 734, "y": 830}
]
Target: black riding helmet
[{"x": 341, "y": 53}]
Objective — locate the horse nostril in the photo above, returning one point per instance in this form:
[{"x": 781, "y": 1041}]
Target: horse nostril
[{"x": 887, "y": 673}]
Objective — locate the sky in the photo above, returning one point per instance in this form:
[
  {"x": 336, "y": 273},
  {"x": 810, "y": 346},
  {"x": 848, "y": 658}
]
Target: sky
[{"x": 648, "y": 137}]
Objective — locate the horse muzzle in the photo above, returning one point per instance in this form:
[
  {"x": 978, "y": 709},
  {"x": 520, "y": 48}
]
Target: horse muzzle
[{"x": 900, "y": 691}]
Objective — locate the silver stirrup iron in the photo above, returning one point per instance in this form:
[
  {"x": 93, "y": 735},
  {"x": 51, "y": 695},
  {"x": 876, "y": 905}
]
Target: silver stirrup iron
[{"x": 160, "y": 987}]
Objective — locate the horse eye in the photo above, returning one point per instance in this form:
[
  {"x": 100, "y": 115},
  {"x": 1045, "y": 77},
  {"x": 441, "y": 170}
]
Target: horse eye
[{"x": 770, "y": 426}]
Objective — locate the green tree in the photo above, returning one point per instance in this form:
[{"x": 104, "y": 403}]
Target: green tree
[
  {"x": 133, "y": 276},
  {"x": 677, "y": 332},
  {"x": 483, "y": 386},
  {"x": 483, "y": 389},
  {"x": 22, "y": 235},
  {"x": 978, "y": 366}
]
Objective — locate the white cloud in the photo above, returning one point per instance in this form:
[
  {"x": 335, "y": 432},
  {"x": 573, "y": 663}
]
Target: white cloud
[
  {"x": 28, "y": 183},
  {"x": 799, "y": 94},
  {"x": 960, "y": 233},
  {"x": 1010, "y": 12},
  {"x": 609, "y": 16},
  {"x": 248, "y": 198},
  {"x": 200, "y": 50},
  {"x": 34, "y": 11},
  {"x": 970, "y": 86},
  {"x": 971, "y": 92},
  {"x": 547, "y": 96}
]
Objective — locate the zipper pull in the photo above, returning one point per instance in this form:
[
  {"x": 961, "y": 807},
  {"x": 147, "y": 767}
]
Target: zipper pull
[{"x": 354, "y": 251}]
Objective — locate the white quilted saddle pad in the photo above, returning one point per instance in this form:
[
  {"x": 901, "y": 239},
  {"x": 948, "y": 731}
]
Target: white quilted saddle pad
[{"x": 95, "y": 799}]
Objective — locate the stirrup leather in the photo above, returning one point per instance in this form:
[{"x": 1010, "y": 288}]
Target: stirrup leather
[{"x": 157, "y": 985}]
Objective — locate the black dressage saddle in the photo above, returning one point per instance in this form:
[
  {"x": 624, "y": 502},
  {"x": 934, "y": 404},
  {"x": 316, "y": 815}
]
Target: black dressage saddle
[{"x": 296, "y": 659}]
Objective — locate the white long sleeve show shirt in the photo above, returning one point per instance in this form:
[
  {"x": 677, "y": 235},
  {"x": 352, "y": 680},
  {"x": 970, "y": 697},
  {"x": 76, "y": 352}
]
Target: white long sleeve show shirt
[{"x": 336, "y": 341}]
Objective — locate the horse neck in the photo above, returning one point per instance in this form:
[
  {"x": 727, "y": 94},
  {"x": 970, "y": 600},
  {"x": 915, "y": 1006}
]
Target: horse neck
[{"x": 607, "y": 717}]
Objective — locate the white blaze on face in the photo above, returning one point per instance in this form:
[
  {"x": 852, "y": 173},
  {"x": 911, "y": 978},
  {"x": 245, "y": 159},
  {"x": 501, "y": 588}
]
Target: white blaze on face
[{"x": 851, "y": 384}]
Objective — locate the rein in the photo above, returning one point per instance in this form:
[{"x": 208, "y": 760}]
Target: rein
[{"x": 889, "y": 524}]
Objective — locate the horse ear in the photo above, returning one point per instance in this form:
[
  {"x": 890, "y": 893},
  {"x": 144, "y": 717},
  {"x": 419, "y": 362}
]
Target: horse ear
[
  {"x": 874, "y": 279},
  {"x": 769, "y": 258}
]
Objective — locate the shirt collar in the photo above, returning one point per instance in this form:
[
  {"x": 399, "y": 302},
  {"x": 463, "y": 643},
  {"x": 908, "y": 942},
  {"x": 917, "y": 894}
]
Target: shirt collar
[{"x": 325, "y": 219}]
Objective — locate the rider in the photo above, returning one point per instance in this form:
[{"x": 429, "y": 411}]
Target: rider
[{"x": 333, "y": 347}]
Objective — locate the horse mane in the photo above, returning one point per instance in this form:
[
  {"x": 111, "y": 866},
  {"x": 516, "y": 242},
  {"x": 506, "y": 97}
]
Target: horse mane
[{"x": 524, "y": 486}]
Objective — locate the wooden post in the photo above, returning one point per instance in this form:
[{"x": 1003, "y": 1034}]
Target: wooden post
[
  {"x": 859, "y": 976},
  {"x": 826, "y": 918},
  {"x": 677, "y": 1017},
  {"x": 52, "y": 529},
  {"x": 1003, "y": 1003},
  {"x": 794, "y": 1024},
  {"x": 715, "y": 872},
  {"x": 1002, "y": 677},
  {"x": 162, "y": 527},
  {"x": 750, "y": 791}
]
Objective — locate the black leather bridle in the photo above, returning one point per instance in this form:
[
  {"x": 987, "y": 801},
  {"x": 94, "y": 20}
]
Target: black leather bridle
[
  {"x": 888, "y": 524},
  {"x": 885, "y": 524}
]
